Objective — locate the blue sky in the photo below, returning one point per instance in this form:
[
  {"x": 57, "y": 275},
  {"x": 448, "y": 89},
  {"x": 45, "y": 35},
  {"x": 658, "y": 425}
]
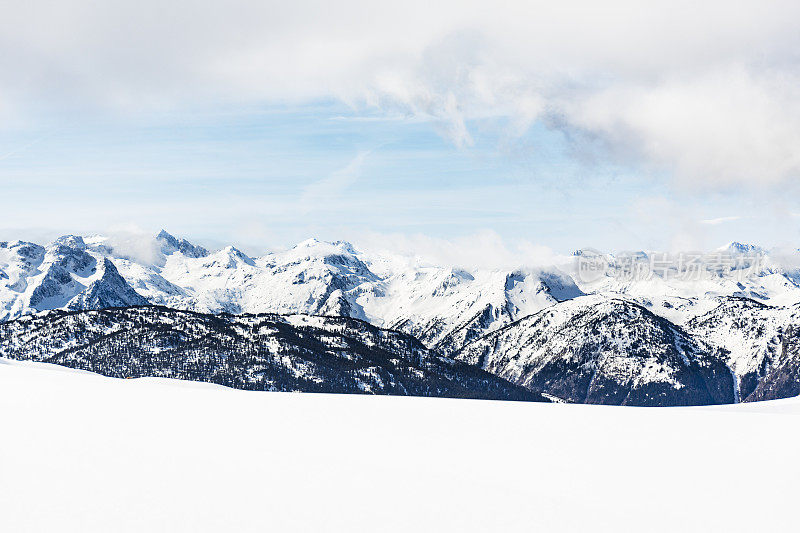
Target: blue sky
[
  {"x": 243, "y": 175},
  {"x": 458, "y": 128},
  {"x": 215, "y": 175}
]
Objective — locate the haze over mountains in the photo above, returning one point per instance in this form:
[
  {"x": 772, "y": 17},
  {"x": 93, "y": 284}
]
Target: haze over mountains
[{"x": 657, "y": 339}]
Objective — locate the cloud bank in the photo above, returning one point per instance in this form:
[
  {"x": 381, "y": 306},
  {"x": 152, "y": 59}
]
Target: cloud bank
[{"x": 706, "y": 92}]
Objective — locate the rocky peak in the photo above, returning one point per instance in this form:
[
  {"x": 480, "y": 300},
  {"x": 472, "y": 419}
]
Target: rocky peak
[
  {"x": 170, "y": 245},
  {"x": 111, "y": 290}
]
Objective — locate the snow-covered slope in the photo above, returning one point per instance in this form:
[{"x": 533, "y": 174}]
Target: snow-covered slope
[
  {"x": 259, "y": 352},
  {"x": 88, "y": 454},
  {"x": 598, "y": 350}
]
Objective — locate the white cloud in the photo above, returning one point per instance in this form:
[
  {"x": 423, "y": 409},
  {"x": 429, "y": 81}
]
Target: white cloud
[
  {"x": 481, "y": 250},
  {"x": 331, "y": 187},
  {"x": 129, "y": 240},
  {"x": 725, "y": 127},
  {"x": 719, "y": 220},
  {"x": 708, "y": 91}
]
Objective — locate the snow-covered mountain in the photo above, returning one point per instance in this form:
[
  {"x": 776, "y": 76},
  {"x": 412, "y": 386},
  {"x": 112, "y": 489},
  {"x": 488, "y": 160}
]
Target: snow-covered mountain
[
  {"x": 442, "y": 306},
  {"x": 740, "y": 309},
  {"x": 682, "y": 286},
  {"x": 64, "y": 274},
  {"x": 256, "y": 352},
  {"x": 446, "y": 307},
  {"x": 760, "y": 343},
  {"x": 599, "y": 350}
]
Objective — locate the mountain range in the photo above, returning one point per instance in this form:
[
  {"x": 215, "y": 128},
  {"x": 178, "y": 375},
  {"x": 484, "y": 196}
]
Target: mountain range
[{"x": 659, "y": 339}]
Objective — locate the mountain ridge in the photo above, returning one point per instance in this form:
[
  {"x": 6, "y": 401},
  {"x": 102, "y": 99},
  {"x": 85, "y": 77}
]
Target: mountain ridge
[
  {"x": 611, "y": 351},
  {"x": 299, "y": 353},
  {"x": 447, "y": 309}
]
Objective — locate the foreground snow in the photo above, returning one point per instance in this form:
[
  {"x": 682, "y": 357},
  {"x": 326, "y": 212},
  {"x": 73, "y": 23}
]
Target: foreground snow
[{"x": 85, "y": 453}]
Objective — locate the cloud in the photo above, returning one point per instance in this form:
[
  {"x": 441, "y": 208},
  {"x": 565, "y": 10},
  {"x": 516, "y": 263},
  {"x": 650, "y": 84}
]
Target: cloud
[
  {"x": 720, "y": 128},
  {"x": 332, "y": 186},
  {"x": 481, "y": 250},
  {"x": 720, "y": 220},
  {"x": 709, "y": 93},
  {"x": 133, "y": 242}
]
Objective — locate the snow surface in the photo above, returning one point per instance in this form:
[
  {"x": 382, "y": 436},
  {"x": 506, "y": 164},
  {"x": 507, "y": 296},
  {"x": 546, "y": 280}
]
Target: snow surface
[{"x": 86, "y": 453}]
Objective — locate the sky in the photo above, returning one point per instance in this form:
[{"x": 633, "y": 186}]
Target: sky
[{"x": 469, "y": 129}]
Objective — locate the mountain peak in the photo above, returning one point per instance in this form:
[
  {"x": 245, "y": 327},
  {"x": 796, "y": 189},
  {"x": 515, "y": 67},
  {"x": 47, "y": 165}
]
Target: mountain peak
[
  {"x": 71, "y": 241},
  {"x": 736, "y": 247},
  {"x": 346, "y": 246},
  {"x": 238, "y": 254},
  {"x": 323, "y": 250},
  {"x": 308, "y": 243},
  {"x": 228, "y": 258},
  {"x": 341, "y": 246},
  {"x": 170, "y": 245},
  {"x": 111, "y": 290},
  {"x": 163, "y": 235}
]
